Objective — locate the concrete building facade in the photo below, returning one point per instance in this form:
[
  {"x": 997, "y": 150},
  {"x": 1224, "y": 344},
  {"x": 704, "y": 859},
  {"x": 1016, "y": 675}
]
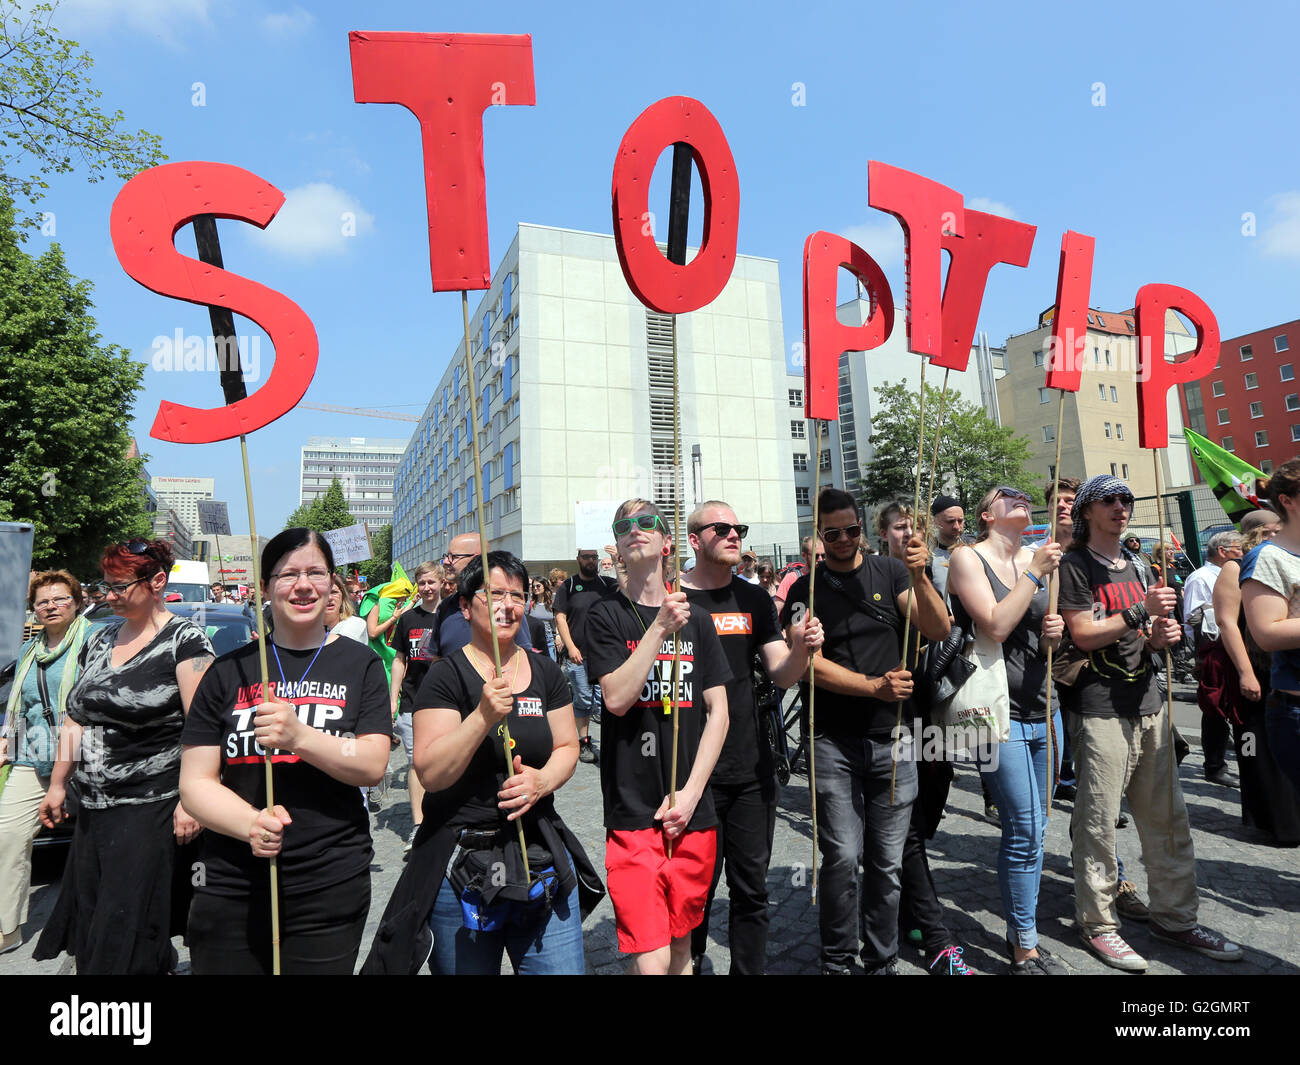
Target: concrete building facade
[
  {"x": 365, "y": 467},
  {"x": 182, "y": 494}
]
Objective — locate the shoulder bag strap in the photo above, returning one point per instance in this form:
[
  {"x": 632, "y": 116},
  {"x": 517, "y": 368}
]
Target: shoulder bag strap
[
  {"x": 891, "y": 621},
  {"x": 47, "y": 707}
]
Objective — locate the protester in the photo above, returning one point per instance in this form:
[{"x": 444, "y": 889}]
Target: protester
[
  {"x": 1200, "y": 628},
  {"x": 218, "y": 592},
  {"x": 792, "y": 571},
  {"x": 949, "y": 525},
  {"x": 451, "y": 629},
  {"x": 747, "y": 566},
  {"x": 861, "y": 602},
  {"x": 1120, "y": 736},
  {"x": 123, "y": 734},
  {"x": 93, "y": 597},
  {"x": 743, "y": 785},
  {"x": 920, "y": 913},
  {"x": 658, "y": 899},
  {"x": 326, "y": 730},
  {"x": 1270, "y": 581},
  {"x": 1059, "y": 495},
  {"x": 574, "y": 600},
  {"x": 766, "y": 574},
  {"x": 541, "y": 617},
  {"x": 410, "y": 664},
  {"x": 999, "y": 588},
  {"x": 38, "y": 701},
  {"x": 341, "y": 613},
  {"x": 1238, "y": 690}
]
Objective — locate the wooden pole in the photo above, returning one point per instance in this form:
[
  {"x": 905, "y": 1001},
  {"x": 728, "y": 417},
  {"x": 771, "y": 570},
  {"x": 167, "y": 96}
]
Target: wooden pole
[
  {"x": 506, "y": 743},
  {"x": 907, "y": 620},
  {"x": 929, "y": 495},
  {"x": 1054, "y": 591},
  {"x": 1169, "y": 661},
  {"x": 812, "y": 665}
]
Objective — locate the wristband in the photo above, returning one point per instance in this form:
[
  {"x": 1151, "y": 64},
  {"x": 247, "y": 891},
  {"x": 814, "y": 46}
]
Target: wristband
[{"x": 1040, "y": 584}]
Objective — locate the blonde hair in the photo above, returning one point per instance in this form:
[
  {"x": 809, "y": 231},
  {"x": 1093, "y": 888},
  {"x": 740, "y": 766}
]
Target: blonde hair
[
  {"x": 346, "y": 607},
  {"x": 634, "y": 506},
  {"x": 884, "y": 516},
  {"x": 428, "y": 567}
]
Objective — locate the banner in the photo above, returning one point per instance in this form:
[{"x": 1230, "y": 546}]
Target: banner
[
  {"x": 349, "y": 544},
  {"x": 213, "y": 517},
  {"x": 592, "y": 519},
  {"x": 1233, "y": 480}
]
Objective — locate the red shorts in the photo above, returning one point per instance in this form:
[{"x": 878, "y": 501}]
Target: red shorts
[{"x": 656, "y": 898}]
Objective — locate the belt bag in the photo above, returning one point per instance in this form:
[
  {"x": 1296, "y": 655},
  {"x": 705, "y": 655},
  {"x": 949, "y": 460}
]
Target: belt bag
[{"x": 492, "y": 891}]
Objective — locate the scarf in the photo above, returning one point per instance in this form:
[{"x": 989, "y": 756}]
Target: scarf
[{"x": 38, "y": 652}]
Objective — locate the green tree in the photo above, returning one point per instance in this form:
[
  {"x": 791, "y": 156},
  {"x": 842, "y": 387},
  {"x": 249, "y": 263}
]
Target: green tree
[
  {"x": 65, "y": 404},
  {"x": 325, "y": 512},
  {"x": 975, "y": 454},
  {"x": 50, "y": 118},
  {"x": 379, "y": 569}
]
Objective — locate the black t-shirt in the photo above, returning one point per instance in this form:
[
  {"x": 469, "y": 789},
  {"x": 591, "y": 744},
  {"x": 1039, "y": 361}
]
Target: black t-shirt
[
  {"x": 575, "y": 599},
  {"x": 451, "y": 631},
  {"x": 1117, "y": 682},
  {"x": 636, "y": 748},
  {"x": 744, "y": 619},
  {"x": 856, "y": 640},
  {"x": 453, "y": 683},
  {"x": 410, "y": 643},
  {"x": 343, "y": 694}
]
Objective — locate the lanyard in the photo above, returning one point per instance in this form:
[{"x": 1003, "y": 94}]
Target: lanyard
[
  {"x": 283, "y": 681},
  {"x": 667, "y": 698}
]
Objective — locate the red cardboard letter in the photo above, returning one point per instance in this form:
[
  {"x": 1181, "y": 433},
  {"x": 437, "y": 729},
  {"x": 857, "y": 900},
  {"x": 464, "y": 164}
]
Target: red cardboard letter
[
  {"x": 659, "y": 284},
  {"x": 148, "y": 211},
  {"x": 447, "y": 80},
  {"x": 1070, "y": 320},
  {"x": 825, "y": 337},
  {"x": 925, "y": 209},
  {"x": 1153, "y": 301},
  {"x": 989, "y": 239}
]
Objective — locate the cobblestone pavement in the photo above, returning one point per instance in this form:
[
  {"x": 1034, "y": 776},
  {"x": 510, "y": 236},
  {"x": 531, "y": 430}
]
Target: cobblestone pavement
[{"x": 1249, "y": 890}]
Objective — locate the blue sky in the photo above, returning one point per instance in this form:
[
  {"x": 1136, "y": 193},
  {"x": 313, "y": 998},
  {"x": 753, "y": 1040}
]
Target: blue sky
[{"x": 1194, "y": 131}]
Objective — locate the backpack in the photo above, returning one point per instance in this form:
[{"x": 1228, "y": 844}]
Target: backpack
[{"x": 798, "y": 567}]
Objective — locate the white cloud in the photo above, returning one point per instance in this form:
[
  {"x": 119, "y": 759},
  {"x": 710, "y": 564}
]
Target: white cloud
[
  {"x": 983, "y": 203},
  {"x": 882, "y": 240},
  {"x": 288, "y": 23},
  {"x": 316, "y": 219},
  {"x": 1281, "y": 238},
  {"x": 170, "y": 21}
]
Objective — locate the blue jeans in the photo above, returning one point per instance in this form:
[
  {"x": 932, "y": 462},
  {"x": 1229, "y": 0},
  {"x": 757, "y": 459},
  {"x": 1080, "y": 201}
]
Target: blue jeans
[
  {"x": 585, "y": 694},
  {"x": 1282, "y": 719},
  {"x": 1018, "y": 783},
  {"x": 853, "y": 810},
  {"x": 553, "y": 948}
]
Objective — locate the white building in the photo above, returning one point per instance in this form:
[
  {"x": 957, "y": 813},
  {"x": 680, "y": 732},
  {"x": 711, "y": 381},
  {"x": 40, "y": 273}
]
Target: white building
[
  {"x": 182, "y": 495},
  {"x": 807, "y": 478},
  {"x": 574, "y": 385},
  {"x": 365, "y": 467}
]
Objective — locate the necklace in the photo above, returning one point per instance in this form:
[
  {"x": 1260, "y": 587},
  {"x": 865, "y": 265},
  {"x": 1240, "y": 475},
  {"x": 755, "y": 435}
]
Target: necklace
[
  {"x": 667, "y": 701},
  {"x": 490, "y": 667},
  {"x": 1111, "y": 563}
]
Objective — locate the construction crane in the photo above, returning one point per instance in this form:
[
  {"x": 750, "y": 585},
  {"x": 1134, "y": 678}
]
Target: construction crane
[{"x": 365, "y": 412}]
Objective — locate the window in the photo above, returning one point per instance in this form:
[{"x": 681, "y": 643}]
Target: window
[
  {"x": 1114, "y": 472},
  {"x": 1217, "y": 390},
  {"x": 1096, "y": 352},
  {"x": 1227, "y": 443},
  {"x": 1246, "y": 353},
  {"x": 1114, "y": 396},
  {"x": 1261, "y": 438},
  {"x": 1266, "y": 466},
  {"x": 1101, "y": 322},
  {"x": 1293, "y": 401},
  {"x": 826, "y": 460},
  {"x": 1223, "y": 415},
  {"x": 1049, "y": 434},
  {"x": 796, "y": 400},
  {"x": 1280, "y": 343},
  {"x": 1257, "y": 410},
  {"x": 801, "y": 497},
  {"x": 1051, "y": 473},
  {"x": 1107, "y": 437},
  {"x": 801, "y": 464},
  {"x": 1252, "y": 381},
  {"x": 797, "y": 430},
  {"x": 1125, "y": 475},
  {"x": 1295, "y": 433},
  {"x": 1288, "y": 372},
  {"x": 1038, "y": 361},
  {"x": 1044, "y": 396},
  {"x": 1101, "y": 395},
  {"x": 1090, "y": 323},
  {"x": 1119, "y": 435}
]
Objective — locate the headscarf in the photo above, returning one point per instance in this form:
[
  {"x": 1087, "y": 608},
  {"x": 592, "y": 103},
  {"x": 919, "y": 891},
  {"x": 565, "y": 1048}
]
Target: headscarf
[
  {"x": 1095, "y": 488},
  {"x": 37, "y": 652}
]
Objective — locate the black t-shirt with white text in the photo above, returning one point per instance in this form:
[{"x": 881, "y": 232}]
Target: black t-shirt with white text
[
  {"x": 636, "y": 747},
  {"x": 410, "y": 643},
  {"x": 1118, "y": 681},
  {"x": 744, "y": 619},
  {"x": 341, "y": 693},
  {"x": 453, "y": 683},
  {"x": 575, "y": 598},
  {"x": 855, "y": 639}
]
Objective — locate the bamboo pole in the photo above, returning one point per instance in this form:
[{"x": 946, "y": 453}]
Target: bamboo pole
[
  {"x": 929, "y": 495},
  {"x": 506, "y": 743},
  {"x": 677, "y": 577},
  {"x": 1169, "y": 661},
  {"x": 812, "y": 665},
  {"x": 1052, "y": 597}
]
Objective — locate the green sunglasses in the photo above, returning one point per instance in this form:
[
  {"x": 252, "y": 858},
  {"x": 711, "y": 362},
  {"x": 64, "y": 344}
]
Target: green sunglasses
[{"x": 646, "y": 522}]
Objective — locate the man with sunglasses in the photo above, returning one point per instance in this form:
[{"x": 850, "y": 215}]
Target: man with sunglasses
[
  {"x": 573, "y": 602},
  {"x": 743, "y": 784},
  {"x": 1120, "y": 737},
  {"x": 861, "y": 601}
]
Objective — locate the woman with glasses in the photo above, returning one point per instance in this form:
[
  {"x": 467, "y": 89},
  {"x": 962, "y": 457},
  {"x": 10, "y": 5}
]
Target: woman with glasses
[
  {"x": 466, "y": 871},
  {"x": 115, "y": 912},
  {"x": 341, "y": 613},
  {"x": 326, "y": 730},
  {"x": 38, "y": 701},
  {"x": 999, "y": 588},
  {"x": 541, "y": 615}
]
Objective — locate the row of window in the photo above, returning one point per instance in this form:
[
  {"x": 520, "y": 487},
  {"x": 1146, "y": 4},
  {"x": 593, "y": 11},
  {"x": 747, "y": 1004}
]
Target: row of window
[
  {"x": 1257, "y": 408},
  {"x": 1097, "y": 354},
  {"x": 1049, "y": 432},
  {"x": 442, "y": 525},
  {"x": 1286, "y": 373},
  {"x": 801, "y": 461},
  {"x": 1261, "y": 438},
  {"x": 1280, "y": 343}
]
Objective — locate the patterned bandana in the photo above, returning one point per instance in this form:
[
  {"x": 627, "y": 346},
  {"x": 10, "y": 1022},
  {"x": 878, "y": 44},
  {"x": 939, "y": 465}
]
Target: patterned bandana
[{"x": 1098, "y": 488}]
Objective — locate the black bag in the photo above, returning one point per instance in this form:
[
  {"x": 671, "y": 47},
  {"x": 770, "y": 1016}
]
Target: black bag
[
  {"x": 945, "y": 669},
  {"x": 491, "y": 891}
]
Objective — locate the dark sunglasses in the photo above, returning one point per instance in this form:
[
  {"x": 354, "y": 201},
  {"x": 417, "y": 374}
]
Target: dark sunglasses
[
  {"x": 832, "y": 536},
  {"x": 1111, "y": 500},
  {"x": 139, "y": 547},
  {"x": 645, "y": 522},
  {"x": 1008, "y": 492},
  {"x": 723, "y": 528}
]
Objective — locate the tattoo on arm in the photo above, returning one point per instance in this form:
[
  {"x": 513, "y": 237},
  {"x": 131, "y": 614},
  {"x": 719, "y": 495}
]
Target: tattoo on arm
[{"x": 201, "y": 663}]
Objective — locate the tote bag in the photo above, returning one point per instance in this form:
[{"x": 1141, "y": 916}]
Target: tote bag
[{"x": 978, "y": 716}]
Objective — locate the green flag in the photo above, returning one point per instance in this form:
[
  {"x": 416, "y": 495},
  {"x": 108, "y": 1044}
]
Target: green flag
[{"x": 1233, "y": 480}]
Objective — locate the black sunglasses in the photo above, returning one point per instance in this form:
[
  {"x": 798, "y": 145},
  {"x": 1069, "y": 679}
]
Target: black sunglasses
[
  {"x": 1111, "y": 500},
  {"x": 723, "y": 528},
  {"x": 850, "y": 532},
  {"x": 139, "y": 547}
]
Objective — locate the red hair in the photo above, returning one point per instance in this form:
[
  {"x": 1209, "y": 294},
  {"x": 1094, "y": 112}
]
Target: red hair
[{"x": 119, "y": 561}]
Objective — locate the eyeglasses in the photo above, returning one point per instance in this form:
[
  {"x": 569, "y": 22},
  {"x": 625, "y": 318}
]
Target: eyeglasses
[
  {"x": 117, "y": 587},
  {"x": 645, "y": 522},
  {"x": 587, "y": 556},
  {"x": 1013, "y": 493},
  {"x": 288, "y": 578},
  {"x": 57, "y": 601},
  {"x": 1111, "y": 500},
  {"x": 517, "y": 598},
  {"x": 832, "y": 536},
  {"x": 450, "y": 557},
  {"x": 723, "y": 528}
]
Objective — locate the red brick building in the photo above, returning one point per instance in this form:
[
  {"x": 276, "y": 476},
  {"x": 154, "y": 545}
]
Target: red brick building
[{"x": 1250, "y": 403}]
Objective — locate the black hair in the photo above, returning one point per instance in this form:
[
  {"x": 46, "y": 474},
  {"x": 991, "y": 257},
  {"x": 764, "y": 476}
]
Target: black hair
[
  {"x": 283, "y": 543},
  {"x": 471, "y": 577},
  {"x": 833, "y": 499}
]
